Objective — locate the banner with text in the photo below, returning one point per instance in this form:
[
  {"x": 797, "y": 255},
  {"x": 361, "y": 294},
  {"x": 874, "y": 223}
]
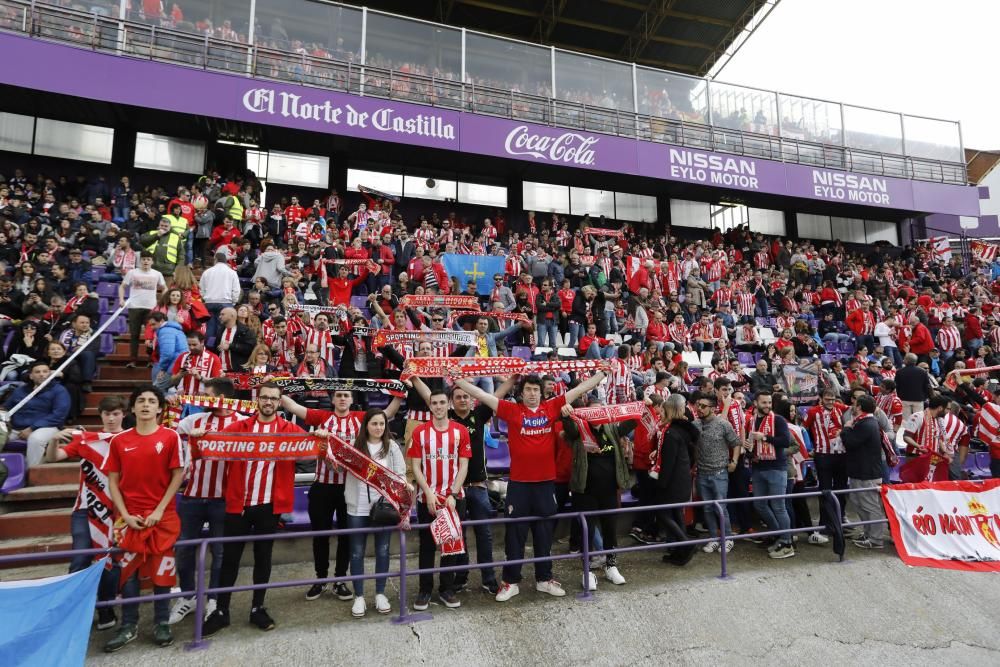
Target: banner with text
[{"x": 256, "y": 447}]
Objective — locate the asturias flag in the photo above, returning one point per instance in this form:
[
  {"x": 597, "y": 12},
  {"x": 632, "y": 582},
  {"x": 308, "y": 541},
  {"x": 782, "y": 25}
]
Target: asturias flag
[{"x": 480, "y": 268}]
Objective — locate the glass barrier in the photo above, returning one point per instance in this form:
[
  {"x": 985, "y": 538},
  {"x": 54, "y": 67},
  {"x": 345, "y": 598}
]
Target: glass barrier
[
  {"x": 412, "y": 53},
  {"x": 503, "y": 64},
  {"x": 593, "y": 81},
  {"x": 743, "y": 109},
  {"x": 933, "y": 139},
  {"x": 871, "y": 130},
  {"x": 668, "y": 95},
  {"x": 309, "y": 28},
  {"x": 227, "y": 20},
  {"x": 804, "y": 119}
]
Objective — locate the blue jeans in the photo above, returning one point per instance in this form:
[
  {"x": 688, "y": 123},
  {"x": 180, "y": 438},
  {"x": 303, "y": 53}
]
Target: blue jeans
[
  {"x": 88, "y": 364},
  {"x": 190, "y": 246},
  {"x": 595, "y": 351},
  {"x": 358, "y": 543},
  {"x": 575, "y": 329},
  {"x": 212, "y": 328},
  {"x": 477, "y": 506},
  {"x": 715, "y": 487},
  {"x": 194, "y": 512},
  {"x": 79, "y": 528},
  {"x": 547, "y": 333},
  {"x": 773, "y": 512}
]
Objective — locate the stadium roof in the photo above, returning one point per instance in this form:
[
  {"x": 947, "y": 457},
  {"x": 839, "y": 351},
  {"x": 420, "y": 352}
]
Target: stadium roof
[{"x": 688, "y": 36}]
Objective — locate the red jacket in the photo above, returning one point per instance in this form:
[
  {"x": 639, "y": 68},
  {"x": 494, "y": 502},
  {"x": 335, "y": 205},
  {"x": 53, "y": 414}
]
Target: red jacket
[
  {"x": 973, "y": 328},
  {"x": 921, "y": 341},
  {"x": 220, "y": 236}
]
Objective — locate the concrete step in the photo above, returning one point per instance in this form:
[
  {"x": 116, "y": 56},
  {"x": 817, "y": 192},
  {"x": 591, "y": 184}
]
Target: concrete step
[
  {"x": 42, "y": 493},
  {"x": 33, "y": 545},
  {"x": 38, "y": 523},
  {"x": 54, "y": 473},
  {"x": 117, "y": 371}
]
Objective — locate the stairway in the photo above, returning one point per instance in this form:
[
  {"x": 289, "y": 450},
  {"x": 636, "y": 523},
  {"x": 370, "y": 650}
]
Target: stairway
[{"x": 36, "y": 518}]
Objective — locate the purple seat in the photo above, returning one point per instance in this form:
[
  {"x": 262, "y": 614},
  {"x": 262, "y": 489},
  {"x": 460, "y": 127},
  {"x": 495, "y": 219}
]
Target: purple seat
[
  {"x": 847, "y": 348},
  {"x": 300, "y": 510},
  {"x": 498, "y": 460},
  {"x": 379, "y": 400},
  {"x": 359, "y": 301},
  {"x": 521, "y": 352},
  {"x": 102, "y": 306},
  {"x": 16, "y": 469},
  {"x": 745, "y": 358},
  {"x": 19, "y": 446},
  {"x": 118, "y": 326},
  {"x": 831, "y": 347},
  {"x": 107, "y": 290},
  {"x": 107, "y": 343},
  {"x": 827, "y": 359}
]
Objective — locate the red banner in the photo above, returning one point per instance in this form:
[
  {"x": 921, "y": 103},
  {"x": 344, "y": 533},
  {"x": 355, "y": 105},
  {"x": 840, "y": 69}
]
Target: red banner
[
  {"x": 256, "y": 447},
  {"x": 449, "y": 336},
  {"x": 214, "y": 402},
  {"x": 381, "y": 479},
  {"x": 950, "y": 525},
  {"x": 597, "y": 231},
  {"x": 472, "y": 367},
  {"x": 453, "y": 301},
  {"x": 951, "y": 382},
  {"x": 503, "y": 317}
]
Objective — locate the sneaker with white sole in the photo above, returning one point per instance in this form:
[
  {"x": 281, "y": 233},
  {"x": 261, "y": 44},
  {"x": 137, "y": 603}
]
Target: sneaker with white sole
[
  {"x": 359, "y": 608},
  {"x": 784, "y": 551},
  {"x": 381, "y": 604},
  {"x": 210, "y": 605},
  {"x": 589, "y": 582},
  {"x": 507, "y": 591},
  {"x": 818, "y": 539},
  {"x": 315, "y": 591},
  {"x": 867, "y": 544},
  {"x": 614, "y": 576},
  {"x": 711, "y": 547},
  {"x": 729, "y": 545},
  {"x": 552, "y": 587},
  {"x": 181, "y": 608}
]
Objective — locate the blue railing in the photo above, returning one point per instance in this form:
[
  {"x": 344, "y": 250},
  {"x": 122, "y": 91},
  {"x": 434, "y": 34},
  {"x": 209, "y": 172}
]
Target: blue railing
[{"x": 202, "y": 590}]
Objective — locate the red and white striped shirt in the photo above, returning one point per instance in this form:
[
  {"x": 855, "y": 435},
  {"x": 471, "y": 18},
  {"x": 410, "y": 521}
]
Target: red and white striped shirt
[
  {"x": 206, "y": 364},
  {"x": 345, "y": 427},
  {"x": 621, "y": 387},
  {"x": 825, "y": 426},
  {"x": 253, "y": 483},
  {"x": 988, "y": 428},
  {"x": 745, "y": 304},
  {"x": 953, "y": 432},
  {"x": 225, "y": 357},
  {"x": 679, "y": 334},
  {"x": 439, "y": 452},
  {"x": 323, "y": 342},
  {"x": 205, "y": 477},
  {"x": 663, "y": 392},
  {"x": 722, "y": 295},
  {"x": 949, "y": 339},
  {"x": 890, "y": 404},
  {"x": 762, "y": 259}
]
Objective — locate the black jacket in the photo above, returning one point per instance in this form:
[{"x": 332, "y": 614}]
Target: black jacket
[
  {"x": 913, "y": 384},
  {"x": 676, "y": 447},
  {"x": 240, "y": 348},
  {"x": 863, "y": 442}
]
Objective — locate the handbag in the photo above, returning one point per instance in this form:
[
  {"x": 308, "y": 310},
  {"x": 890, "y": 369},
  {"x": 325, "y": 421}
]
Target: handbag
[{"x": 382, "y": 513}]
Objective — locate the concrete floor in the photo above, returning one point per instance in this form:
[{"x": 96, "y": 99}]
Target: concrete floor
[{"x": 870, "y": 609}]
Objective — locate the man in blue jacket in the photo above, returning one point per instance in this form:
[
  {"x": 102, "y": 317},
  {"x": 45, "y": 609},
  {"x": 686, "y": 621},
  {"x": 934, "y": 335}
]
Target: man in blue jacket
[
  {"x": 171, "y": 342},
  {"x": 486, "y": 346},
  {"x": 41, "y": 417}
]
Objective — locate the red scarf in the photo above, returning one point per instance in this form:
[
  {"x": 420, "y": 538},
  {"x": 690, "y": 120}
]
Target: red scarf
[{"x": 763, "y": 450}]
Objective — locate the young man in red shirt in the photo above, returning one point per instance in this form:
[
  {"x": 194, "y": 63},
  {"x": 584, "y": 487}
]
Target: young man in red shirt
[
  {"x": 92, "y": 519},
  {"x": 257, "y": 493},
  {"x": 531, "y": 490},
  {"x": 439, "y": 454},
  {"x": 144, "y": 474}
]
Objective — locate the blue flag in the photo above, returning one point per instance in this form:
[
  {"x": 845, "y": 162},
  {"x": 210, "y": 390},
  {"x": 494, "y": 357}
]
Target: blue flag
[
  {"x": 480, "y": 268},
  {"x": 47, "y": 621}
]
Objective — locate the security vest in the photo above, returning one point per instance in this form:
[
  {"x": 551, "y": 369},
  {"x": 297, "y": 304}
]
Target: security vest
[
  {"x": 168, "y": 244},
  {"x": 235, "y": 210},
  {"x": 178, "y": 225}
]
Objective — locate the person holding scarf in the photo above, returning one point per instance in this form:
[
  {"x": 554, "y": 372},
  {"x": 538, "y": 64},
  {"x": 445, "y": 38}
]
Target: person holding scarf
[
  {"x": 767, "y": 441},
  {"x": 924, "y": 437}
]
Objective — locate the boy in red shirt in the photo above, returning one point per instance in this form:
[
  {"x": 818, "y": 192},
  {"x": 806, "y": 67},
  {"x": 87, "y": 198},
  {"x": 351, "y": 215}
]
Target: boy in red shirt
[
  {"x": 531, "y": 438},
  {"x": 144, "y": 475},
  {"x": 439, "y": 454}
]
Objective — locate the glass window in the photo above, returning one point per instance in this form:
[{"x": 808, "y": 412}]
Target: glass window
[
  {"x": 545, "y": 198},
  {"x": 670, "y": 95},
  {"x": 227, "y": 20},
  {"x": 932, "y": 139},
  {"x": 376, "y": 180},
  {"x": 814, "y": 226},
  {"x": 507, "y": 65},
  {"x": 583, "y": 201},
  {"x": 321, "y": 29},
  {"x": 593, "y": 81},
  {"x": 297, "y": 169},
  {"x": 483, "y": 195},
  {"x": 74, "y": 141},
  {"x": 810, "y": 120},
  {"x": 849, "y": 230},
  {"x": 766, "y": 221},
  {"x": 868, "y": 129},
  {"x": 685, "y": 213},
  {"x": 744, "y": 109},
  {"x": 16, "y": 132},
  {"x": 635, "y": 208},
  {"x": 423, "y": 187},
  {"x": 876, "y": 230},
  {"x": 153, "y": 151}
]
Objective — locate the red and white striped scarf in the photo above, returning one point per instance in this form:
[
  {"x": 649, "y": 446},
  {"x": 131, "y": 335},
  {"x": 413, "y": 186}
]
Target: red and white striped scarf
[
  {"x": 227, "y": 337},
  {"x": 763, "y": 450}
]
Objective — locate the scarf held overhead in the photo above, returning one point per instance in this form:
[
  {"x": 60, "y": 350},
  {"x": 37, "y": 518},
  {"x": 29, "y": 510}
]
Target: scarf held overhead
[
  {"x": 442, "y": 336},
  {"x": 454, "y": 301},
  {"x": 300, "y": 385},
  {"x": 471, "y": 367}
]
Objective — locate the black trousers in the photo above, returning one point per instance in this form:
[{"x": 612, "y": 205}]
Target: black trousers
[
  {"x": 428, "y": 550},
  {"x": 601, "y": 494},
  {"x": 831, "y": 470},
  {"x": 562, "y": 497},
  {"x": 256, "y": 520},
  {"x": 324, "y": 501},
  {"x": 136, "y": 321},
  {"x": 673, "y": 524}
]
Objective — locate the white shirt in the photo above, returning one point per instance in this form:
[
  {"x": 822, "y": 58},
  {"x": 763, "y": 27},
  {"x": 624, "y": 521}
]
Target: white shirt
[
  {"x": 366, "y": 495},
  {"x": 884, "y": 335},
  {"x": 143, "y": 286},
  {"x": 220, "y": 284}
]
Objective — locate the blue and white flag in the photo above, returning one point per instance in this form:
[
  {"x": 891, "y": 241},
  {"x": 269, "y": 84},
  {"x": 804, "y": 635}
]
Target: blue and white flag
[
  {"x": 47, "y": 621},
  {"x": 480, "y": 268}
]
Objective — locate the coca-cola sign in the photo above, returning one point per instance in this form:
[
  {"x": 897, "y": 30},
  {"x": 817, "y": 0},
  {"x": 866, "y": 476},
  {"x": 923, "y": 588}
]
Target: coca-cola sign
[{"x": 567, "y": 148}]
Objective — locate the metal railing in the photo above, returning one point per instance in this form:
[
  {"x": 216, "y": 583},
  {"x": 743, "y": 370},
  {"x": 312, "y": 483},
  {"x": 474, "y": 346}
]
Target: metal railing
[
  {"x": 202, "y": 590},
  {"x": 142, "y": 40}
]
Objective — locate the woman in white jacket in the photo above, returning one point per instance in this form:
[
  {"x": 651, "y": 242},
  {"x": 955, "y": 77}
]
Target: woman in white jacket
[{"x": 373, "y": 439}]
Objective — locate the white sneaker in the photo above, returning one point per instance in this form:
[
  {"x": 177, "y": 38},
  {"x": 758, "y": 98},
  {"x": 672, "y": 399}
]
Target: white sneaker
[
  {"x": 818, "y": 538},
  {"x": 182, "y": 608},
  {"x": 589, "y": 582},
  {"x": 552, "y": 587},
  {"x": 507, "y": 591},
  {"x": 209, "y": 607},
  {"x": 711, "y": 547},
  {"x": 381, "y": 604},
  {"x": 614, "y": 576},
  {"x": 359, "y": 608},
  {"x": 729, "y": 545}
]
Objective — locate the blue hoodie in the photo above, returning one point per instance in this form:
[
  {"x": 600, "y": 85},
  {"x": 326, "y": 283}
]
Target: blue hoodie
[{"x": 170, "y": 343}]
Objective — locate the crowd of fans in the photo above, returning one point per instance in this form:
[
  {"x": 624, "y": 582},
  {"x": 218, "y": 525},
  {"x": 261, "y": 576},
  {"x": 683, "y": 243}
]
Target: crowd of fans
[{"x": 702, "y": 331}]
